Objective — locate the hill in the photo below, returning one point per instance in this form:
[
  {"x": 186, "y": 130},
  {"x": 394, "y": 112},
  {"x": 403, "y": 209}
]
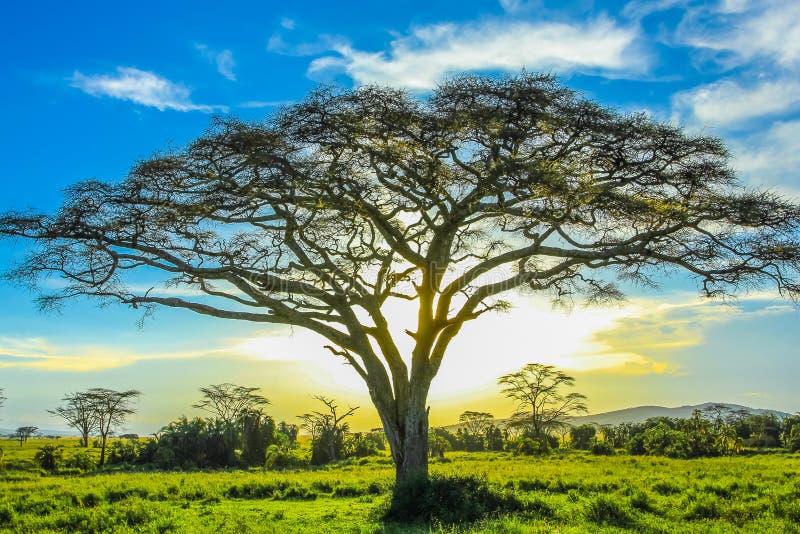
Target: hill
[{"x": 640, "y": 414}]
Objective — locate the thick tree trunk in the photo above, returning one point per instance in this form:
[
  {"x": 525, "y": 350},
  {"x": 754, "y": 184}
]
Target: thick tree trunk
[{"x": 406, "y": 427}]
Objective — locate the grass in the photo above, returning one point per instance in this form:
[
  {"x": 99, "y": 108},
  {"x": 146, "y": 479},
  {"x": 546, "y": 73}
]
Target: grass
[{"x": 567, "y": 492}]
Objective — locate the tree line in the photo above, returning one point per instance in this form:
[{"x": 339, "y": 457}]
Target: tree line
[{"x": 238, "y": 432}]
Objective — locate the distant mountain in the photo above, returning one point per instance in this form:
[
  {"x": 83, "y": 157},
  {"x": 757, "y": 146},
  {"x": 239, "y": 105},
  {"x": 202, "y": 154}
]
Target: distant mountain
[{"x": 640, "y": 414}]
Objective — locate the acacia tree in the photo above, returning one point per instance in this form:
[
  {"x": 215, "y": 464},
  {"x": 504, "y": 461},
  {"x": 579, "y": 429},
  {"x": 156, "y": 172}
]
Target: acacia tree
[
  {"x": 229, "y": 402},
  {"x": 328, "y": 430},
  {"x": 475, "y": 423},
  {"x": 24, "y": 432},
  {"x": 79, "y": 412},
  {"x": 111, "y": 408},
  {"x": 334, "y": 207},
  {"x": 542, "y": 404}
]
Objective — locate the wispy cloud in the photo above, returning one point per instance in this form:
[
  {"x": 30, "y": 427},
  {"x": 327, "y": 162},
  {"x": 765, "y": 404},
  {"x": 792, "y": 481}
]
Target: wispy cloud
[
  {"x": 422, "y": 58},
  {"x": 745, "y": 31},
  {"x": 727, "y": 102},
  {"x": 265, "y": 103},
  {"x": 222, "y": 59},
  {"x": 141, "y": 87},
  {"x": 287, "y": 23},
  {"x": 771, "y": 158}
]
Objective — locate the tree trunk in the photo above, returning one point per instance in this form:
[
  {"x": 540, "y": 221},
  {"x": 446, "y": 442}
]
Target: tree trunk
[
  {"x": 406, "y": 429},
  {"x": 103, "y": 452}
]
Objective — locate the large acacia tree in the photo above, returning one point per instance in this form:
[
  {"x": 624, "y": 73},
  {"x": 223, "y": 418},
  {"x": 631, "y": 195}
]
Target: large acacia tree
[{"x": 332, "y": 208}]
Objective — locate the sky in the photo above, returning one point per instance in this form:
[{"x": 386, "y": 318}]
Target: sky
[{"x": 87, "y": 89}]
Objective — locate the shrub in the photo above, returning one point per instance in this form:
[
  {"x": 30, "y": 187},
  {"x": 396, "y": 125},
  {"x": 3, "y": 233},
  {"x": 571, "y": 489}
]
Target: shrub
[
  {"x": 581, "y": 437},
  {"x": 530, "y": 446},
  {"x": 449, "y": 500},
  {"x": 602, "y": 448},
  {"x": 82, "y": 460},
  {"x": 283, "y": 458},
  {"x": 49, "y": 457}
]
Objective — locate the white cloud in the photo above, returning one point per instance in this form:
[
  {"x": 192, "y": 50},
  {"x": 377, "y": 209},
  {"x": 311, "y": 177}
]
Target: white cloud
[
  {"x": 771, "y": 158},
  {"x": 141, "y": 87},
  {"x": 223, "y": 60},
  {"x": 421, "y": 59},
  {"x": 748, "y": 30},
  {"x": 287, "y": 23},
  {"x": 728, "y": 102}
]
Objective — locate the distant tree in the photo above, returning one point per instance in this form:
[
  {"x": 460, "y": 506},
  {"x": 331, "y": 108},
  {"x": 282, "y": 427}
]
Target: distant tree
[
  {"x": 349, "y": 201},
  {"x": 2, "y": 397},
  {"x": 718, "y": 414},
  {"x": 79, "y": 413},
  {"x": 700, "y": 435},
  {"x": 475, "y": 423},
  {"x": 581, "y": 437},
  {"x": 542, "y": 404},
  {"x": 472, "y": 429},
  {"x": 438, "y": 444},
  {"x": 229, "y": 402},
  {"x": 24, "y": 432},
  {"x": 111, "y": 409},
  {"x": 258, "y": 433},
  {"x": 289, "y": 431},
  {"x": 791, "y": 432},
  {"x": 495, "y": 438},
  {"x": 328, "y": 429}
]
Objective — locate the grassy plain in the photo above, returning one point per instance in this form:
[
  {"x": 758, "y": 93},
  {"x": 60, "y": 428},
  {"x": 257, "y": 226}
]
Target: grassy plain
[{"x": 565, "y": 492}]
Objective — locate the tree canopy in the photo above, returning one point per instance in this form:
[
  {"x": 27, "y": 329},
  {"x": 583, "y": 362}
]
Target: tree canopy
[
  {"x": 332, "y": 207},
  {"x": 543, "y": 405}
]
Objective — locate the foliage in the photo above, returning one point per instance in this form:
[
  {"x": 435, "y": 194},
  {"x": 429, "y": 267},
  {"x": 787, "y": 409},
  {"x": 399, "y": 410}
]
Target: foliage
[
  {"x": 529, "y": 446},
  {"x": 542, "y": 404},
  {"x": 110, "y": 408},
  {"x": 49, "y": 457},
  {"x": 602, "y": 448},
  {"x": 581, "y": 437},
  {"x": 230, "y": 402},
  {"x": 23, "y": 433},
  {"x": 337, "y": 206},
  {"x": 80, "y": 413},
  {"x": 328, "y": 431},
  {"x": 258, "y": 433},
  {"x": 448, "y": 500},
  {"x": 278, "y": 457}
]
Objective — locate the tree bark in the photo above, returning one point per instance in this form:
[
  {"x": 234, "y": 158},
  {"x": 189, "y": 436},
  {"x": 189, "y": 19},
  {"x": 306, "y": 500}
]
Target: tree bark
[{"x": 406, "y": 427}]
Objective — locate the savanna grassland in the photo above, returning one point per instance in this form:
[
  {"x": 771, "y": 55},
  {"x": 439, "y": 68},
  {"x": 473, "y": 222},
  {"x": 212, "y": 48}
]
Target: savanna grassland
[{"x": 568, "y": 491}]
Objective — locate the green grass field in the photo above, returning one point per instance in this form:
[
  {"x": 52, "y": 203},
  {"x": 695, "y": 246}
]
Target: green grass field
[{"x": 565, "y": 492}]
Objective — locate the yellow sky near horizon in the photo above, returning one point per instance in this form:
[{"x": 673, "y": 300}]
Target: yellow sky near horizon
[{"x": 622, "y": 343}]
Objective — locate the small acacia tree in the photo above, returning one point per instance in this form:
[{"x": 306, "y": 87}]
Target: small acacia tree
[
  {"x": 229, "y": 402},
  {"x": 328, "y": 429},
  {"x": 543, "y": 405},
  {"x": 24, "y": 432},
  {"x": 349, "y": 200},
  {"x": 111, "y": 408},
  {"x": 78, "y": 411}
]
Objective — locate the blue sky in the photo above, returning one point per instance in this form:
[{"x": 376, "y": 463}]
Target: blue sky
[{"x": 89, "y": 89}]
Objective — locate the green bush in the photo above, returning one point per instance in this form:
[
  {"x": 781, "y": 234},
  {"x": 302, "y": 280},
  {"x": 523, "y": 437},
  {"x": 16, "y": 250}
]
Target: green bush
[
  {"x": 49, "y": 457},
  {"x": 283, "y": 458},
  {"x": 82, "y": 460},
  {"x": 529, "y": 446},
  {"x": 602, "y": 448},
  {"x": 449, "y": 500}
]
